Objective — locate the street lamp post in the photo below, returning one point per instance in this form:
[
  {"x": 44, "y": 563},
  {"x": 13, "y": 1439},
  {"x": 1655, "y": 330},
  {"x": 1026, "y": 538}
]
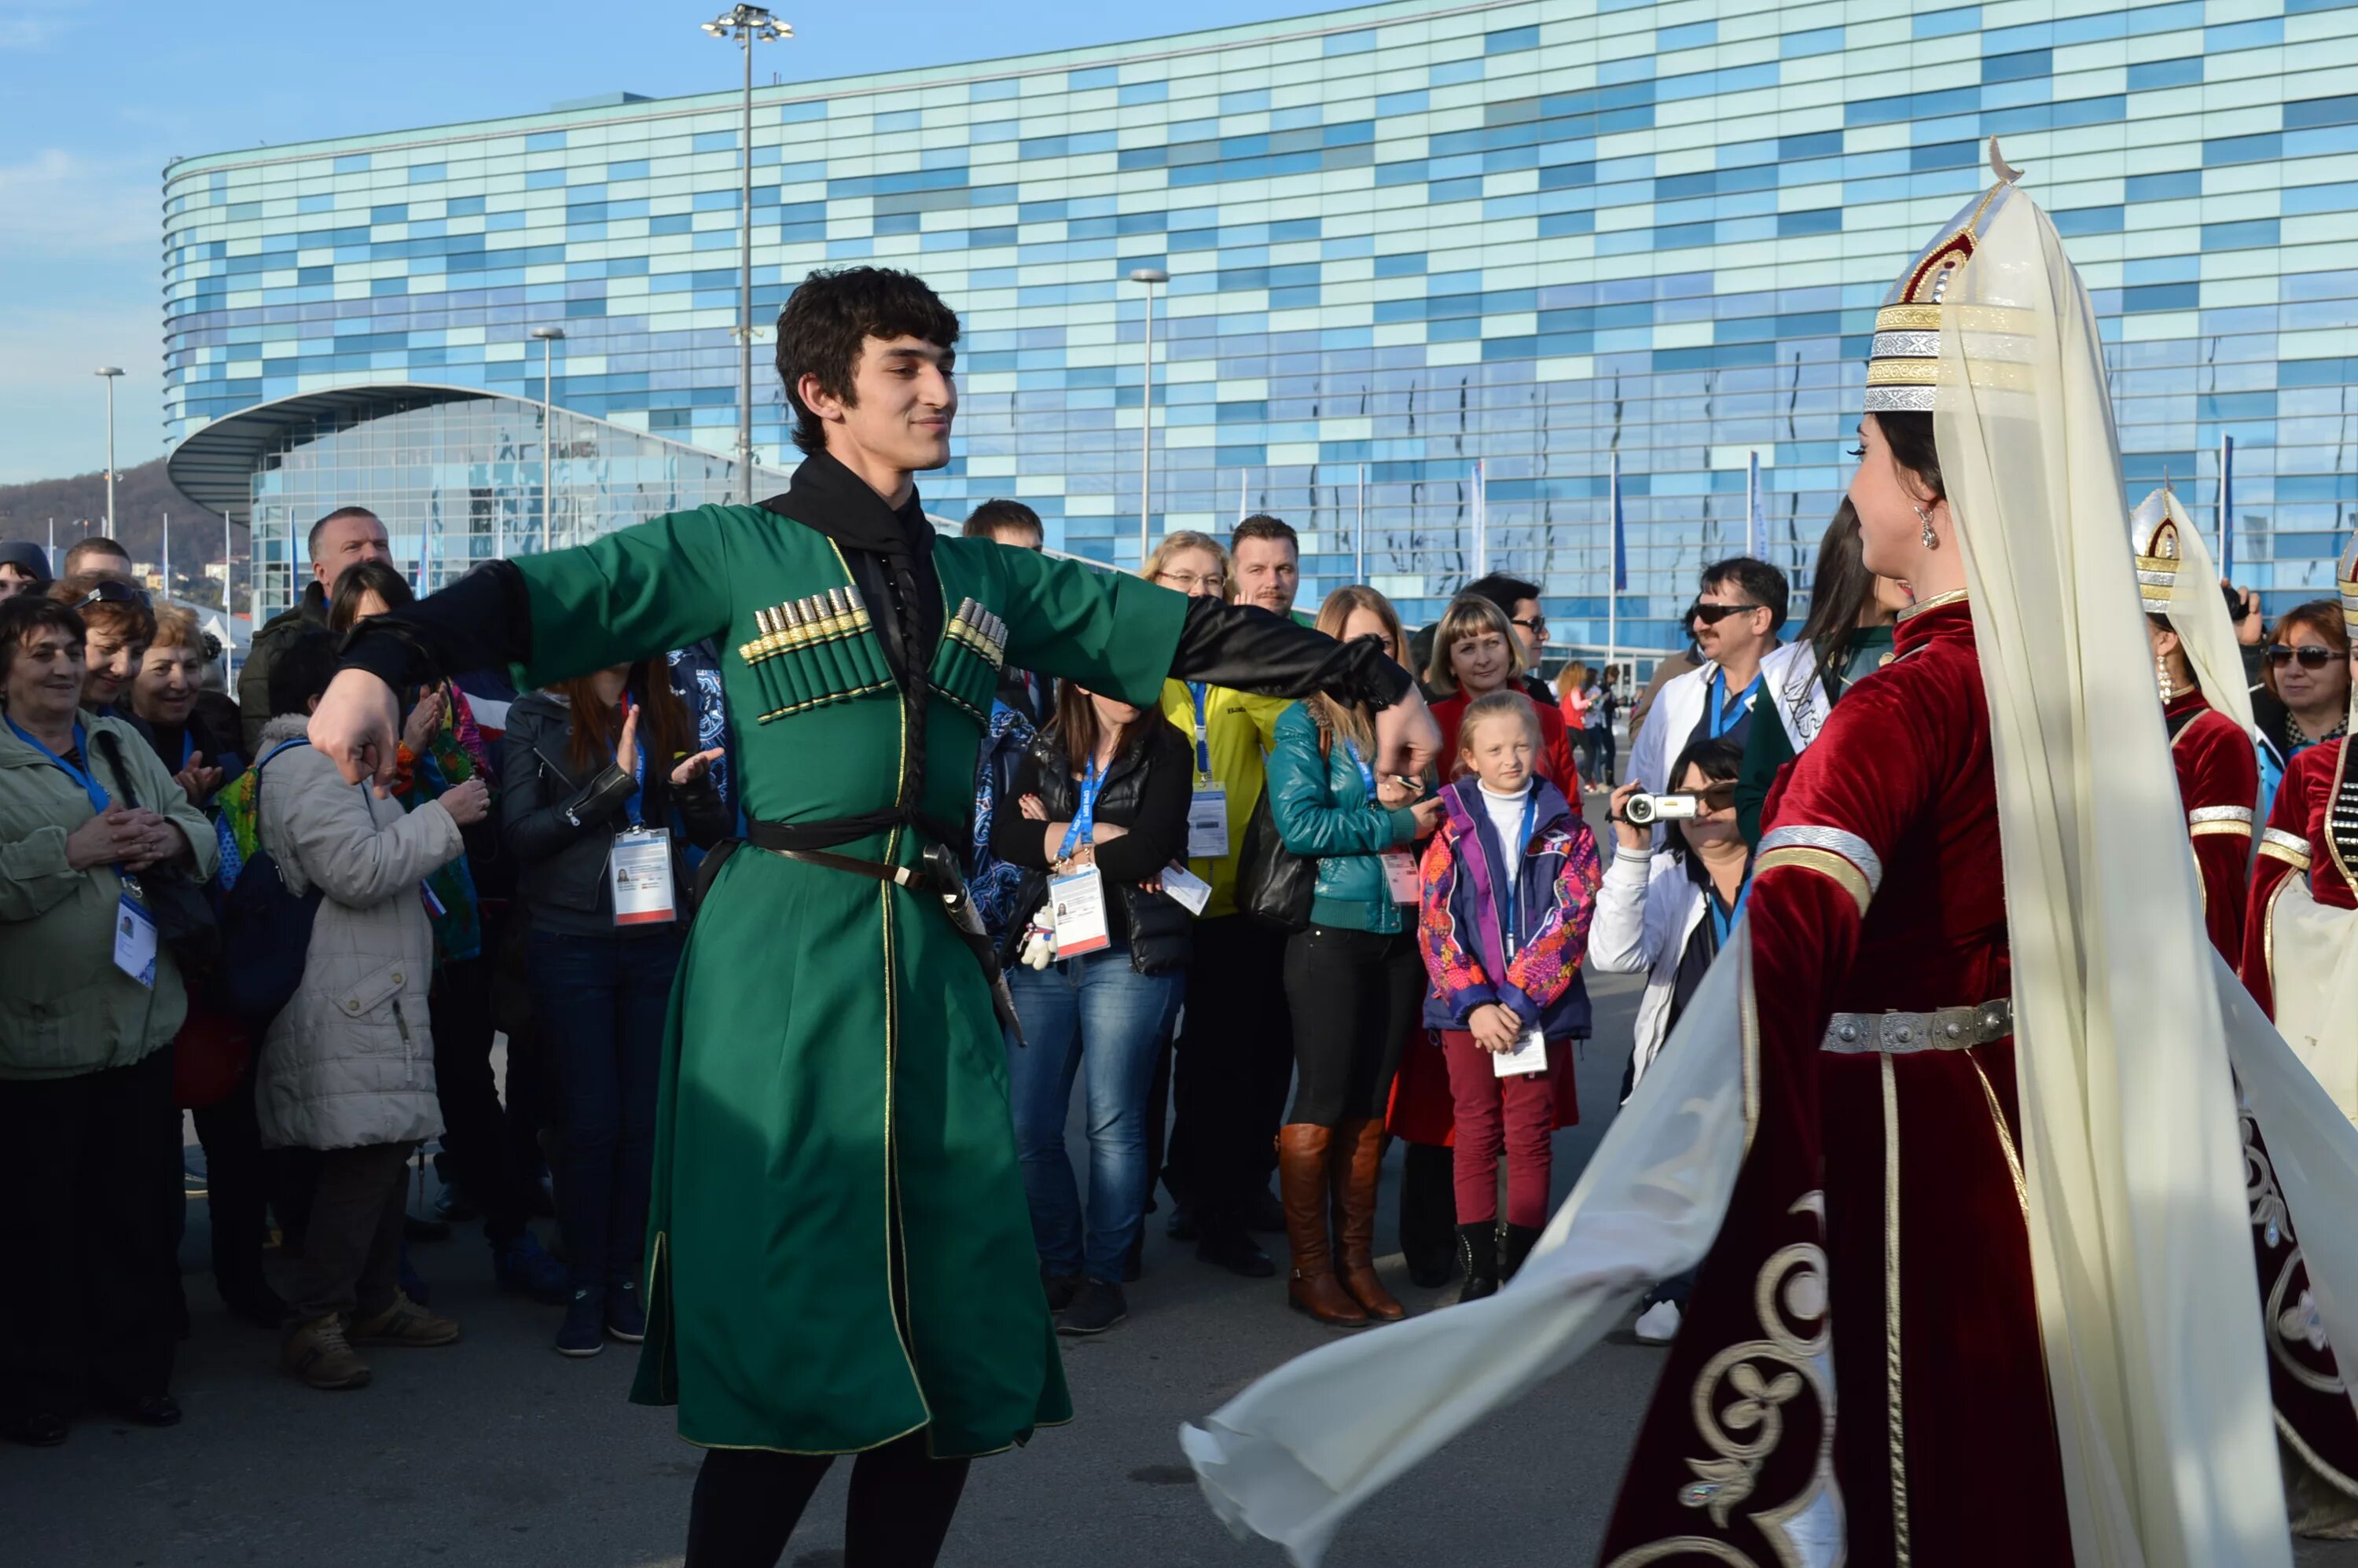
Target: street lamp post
[
  {"x": 108, "y": 374},
  {"x": 1150, "y": 277},
  {"x": 748, "y": 25},
  {"x": 549, "y": 338}
]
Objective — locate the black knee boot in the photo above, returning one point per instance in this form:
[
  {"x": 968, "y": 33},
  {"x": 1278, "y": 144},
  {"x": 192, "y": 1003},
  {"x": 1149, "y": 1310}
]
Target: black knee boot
[
  {"x": 1520, "y": 1239},
  {"x": 1477, "y": 1253},
  {"x": 1428, "y": 1212}
]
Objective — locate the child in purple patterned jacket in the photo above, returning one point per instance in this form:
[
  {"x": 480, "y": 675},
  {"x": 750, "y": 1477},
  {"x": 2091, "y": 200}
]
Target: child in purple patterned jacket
[{"x": 1510, "y": 885}]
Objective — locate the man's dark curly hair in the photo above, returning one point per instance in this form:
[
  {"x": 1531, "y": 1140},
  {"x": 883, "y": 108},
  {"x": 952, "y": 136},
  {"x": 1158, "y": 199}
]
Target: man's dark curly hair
[{"x": 831, "y": 312}]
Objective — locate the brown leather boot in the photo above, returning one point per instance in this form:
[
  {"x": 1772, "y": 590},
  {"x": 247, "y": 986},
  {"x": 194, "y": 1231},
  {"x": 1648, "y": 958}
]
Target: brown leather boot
[
  {"x": 1357, "y": 1154},
  {"x": 1301, "y": 1177}
]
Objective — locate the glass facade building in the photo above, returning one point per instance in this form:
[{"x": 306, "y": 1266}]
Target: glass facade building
[{"x": 1546, "y": 237}]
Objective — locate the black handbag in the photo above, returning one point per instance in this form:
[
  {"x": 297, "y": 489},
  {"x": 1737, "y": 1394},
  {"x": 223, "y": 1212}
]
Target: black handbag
[
  {"x": 183, "y": 915},
  {"x": 269, "y": 929},
  {"x": 1274, "y": 885}
]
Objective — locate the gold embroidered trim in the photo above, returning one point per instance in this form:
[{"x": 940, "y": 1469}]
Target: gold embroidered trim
[
  {"x": 1891, "y": 1342},
  {"x": 1826, "y": 863},
  {"x": 1954, "y": 596},
  {"x": 2335, "y": 800},
  {"x": 1908, "y": 319},
  {"x": 2005, "y": 1139},
  {"x": 2273, "y": 845},
  {"x": 2207, "y": 830}
]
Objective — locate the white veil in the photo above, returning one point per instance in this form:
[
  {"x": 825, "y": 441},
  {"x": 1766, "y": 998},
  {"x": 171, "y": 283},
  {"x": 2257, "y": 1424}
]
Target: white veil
[
  {"x": 2147, "y": 1300},
  {"x": 2196, "y": 608}
]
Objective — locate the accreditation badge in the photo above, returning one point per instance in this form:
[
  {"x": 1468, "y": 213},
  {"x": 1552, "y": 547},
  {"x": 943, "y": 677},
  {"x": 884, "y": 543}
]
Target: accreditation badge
[
  {"x": 1528, "y": 1057},
  {"x": 1077, "y": 903},
  {"x": 1400, "y": 875},
  {"x": 135, "y": 940},
  {"x": 1207, "y": 823},
  {"x": 640, "y": 870}
]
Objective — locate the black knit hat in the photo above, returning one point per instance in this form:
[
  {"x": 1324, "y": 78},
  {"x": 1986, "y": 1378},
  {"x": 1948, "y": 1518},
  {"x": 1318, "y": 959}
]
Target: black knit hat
[{"x": 27, "y": 557}]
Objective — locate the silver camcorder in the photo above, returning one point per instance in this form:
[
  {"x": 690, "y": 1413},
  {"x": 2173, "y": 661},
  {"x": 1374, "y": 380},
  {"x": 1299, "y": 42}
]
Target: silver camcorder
[{"x": 1645, "y": 809}]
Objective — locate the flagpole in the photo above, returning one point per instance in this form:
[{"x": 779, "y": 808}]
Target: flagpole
[
  {"x": 168, "y": 555},
  {"x": 1752, "y": 507},
  {"x": 2226, "y": 506},
  {"x": 1613, "y": 573},
  {"x": 1359, "y": 547},
  {"x": 1481, "y": 525}
]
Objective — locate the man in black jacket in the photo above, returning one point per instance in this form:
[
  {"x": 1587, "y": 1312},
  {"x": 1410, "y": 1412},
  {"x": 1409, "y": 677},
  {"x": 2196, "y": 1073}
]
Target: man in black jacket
[{"x": 344, "y": 537}]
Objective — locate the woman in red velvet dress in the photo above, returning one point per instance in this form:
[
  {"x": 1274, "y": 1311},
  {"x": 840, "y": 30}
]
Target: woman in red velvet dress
[
  {"x": 1887, "y": 1127},
  {"x": 2300, "y": 926}
]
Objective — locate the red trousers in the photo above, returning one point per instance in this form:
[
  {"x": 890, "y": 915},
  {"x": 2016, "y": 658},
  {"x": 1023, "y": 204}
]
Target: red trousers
[{"x": 1501, "y": 1115}]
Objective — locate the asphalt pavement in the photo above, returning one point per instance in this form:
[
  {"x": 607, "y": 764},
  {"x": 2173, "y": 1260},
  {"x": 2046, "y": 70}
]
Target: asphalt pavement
[{"x": 498, "y": 1451}]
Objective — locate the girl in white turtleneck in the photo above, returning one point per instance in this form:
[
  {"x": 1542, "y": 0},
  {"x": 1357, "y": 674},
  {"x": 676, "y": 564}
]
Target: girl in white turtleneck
[{"x": 1508, "y": 885}]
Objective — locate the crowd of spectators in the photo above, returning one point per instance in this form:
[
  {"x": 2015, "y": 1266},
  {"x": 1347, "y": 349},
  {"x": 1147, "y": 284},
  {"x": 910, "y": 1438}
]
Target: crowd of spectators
[{"x": 1204, "y": 908}]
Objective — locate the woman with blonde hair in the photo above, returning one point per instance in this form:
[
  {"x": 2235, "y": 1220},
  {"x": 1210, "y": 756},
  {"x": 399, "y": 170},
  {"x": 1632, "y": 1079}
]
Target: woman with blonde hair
[
  {"x": 1475, "y": 652},
  {"x": 1353, "y": 979},
  {"x": 1191, "y": 562}
]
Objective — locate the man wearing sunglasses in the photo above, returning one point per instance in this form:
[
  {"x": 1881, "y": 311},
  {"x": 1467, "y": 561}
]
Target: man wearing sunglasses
[{"x": 1735, "y": 621}]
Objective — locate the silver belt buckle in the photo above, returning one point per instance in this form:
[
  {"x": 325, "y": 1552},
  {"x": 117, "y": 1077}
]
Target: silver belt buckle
[{"x": 1905, "y": 1033}]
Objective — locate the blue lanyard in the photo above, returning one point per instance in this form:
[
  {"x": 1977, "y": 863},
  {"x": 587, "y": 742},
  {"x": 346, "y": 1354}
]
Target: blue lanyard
[
  {"x": 1720, "y": 723},
  {"x": 99, "y": 800},
  {"x": 1197, "y": 689},
  {"x": 1515, "y": 871},
  {"x": 187, "y": 749},
  {"x": 1723, "y": 922},
  {"x": 1367, "y": 773},
  {"x": 1085, "y": 817}
]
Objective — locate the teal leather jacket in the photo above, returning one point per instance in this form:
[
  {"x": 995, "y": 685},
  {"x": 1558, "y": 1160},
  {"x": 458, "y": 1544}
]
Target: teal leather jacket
[{"x": 1321, "y": 808}]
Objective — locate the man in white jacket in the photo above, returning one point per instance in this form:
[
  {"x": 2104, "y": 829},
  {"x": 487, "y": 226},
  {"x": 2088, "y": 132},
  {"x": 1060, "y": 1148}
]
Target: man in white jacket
[{"x": 1735, "y": 620}]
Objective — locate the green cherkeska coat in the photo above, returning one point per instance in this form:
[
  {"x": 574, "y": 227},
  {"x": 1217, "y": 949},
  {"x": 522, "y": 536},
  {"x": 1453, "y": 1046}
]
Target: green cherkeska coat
[{"x": 834, "y": 1098}]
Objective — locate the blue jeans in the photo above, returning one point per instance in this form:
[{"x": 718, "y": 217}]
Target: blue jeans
[
  {"x": 1098, "y": 1012},
  {"x": 599, "y": 1002}
]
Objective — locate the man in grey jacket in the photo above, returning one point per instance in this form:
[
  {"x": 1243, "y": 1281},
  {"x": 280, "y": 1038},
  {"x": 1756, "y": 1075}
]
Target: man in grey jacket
[{"x": 347, "y": 1067}]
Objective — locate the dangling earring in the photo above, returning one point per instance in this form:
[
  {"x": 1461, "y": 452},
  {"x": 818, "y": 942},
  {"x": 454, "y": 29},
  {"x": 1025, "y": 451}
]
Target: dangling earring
[
  {"x": 1932, "y": 540},
  {"x": 2162, "y": 676}
]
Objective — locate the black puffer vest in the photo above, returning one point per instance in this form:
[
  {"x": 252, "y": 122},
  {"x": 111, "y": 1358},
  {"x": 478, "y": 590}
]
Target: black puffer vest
[{"x": 1161, "y": 937}]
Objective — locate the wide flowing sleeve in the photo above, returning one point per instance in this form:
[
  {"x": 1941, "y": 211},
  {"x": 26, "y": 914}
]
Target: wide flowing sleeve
[
  {"x": 2218, "y": 780},
  {"x": 2284, "y": 850}
]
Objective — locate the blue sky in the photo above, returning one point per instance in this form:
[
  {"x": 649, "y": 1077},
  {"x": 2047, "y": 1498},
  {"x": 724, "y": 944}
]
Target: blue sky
[{"x": 94, "y": 97}]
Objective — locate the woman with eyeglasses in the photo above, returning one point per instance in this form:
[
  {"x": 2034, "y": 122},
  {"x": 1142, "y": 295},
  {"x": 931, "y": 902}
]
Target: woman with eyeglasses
[
  {"x": 2304, "y": 681},
  {"x": 120, "y": 623}
]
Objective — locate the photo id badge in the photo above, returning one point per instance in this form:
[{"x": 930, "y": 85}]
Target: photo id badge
[
  {"x": 135, "y": 940},
  {"x": 1529, "y": 1055},
  {"x": 1207, "y": 823},
  {"x": 1190, "y": 892},
  {"x": 641, "y": 870},
  {"x": 1077, "y": 903},
  {"x": 1400, "y": 875}
]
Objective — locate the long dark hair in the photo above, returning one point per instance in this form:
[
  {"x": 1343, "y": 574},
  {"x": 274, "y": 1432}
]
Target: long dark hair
[
  {"x": 664, "y": 734},
  {"x": 1839, "y": 595},
  {"x": 1075, "y": 727},
  {"x": 359, "y": 580}
]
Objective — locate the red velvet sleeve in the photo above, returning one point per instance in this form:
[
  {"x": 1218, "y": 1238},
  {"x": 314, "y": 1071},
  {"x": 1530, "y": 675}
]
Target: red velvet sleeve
[
  {"x": 2285, "y": 849},
  {"x": 2219, "y": 782}
]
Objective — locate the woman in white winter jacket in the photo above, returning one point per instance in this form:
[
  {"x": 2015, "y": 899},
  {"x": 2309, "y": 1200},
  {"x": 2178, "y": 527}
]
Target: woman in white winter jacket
[
  {"x": 347, "y": 1067},
  {"x": 1665, "y": 916}
]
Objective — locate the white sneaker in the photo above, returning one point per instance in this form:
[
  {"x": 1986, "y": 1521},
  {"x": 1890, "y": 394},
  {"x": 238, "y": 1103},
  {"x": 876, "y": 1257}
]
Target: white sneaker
[{"x": 1658, "y": 1323}]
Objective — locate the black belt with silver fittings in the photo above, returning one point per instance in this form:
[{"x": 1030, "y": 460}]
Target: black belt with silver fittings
[{"x": 1904, "y": 1033}]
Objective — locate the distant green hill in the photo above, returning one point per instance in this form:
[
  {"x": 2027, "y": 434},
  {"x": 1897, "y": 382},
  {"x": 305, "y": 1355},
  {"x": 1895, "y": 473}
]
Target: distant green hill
[{"x": 143, "y": 498}]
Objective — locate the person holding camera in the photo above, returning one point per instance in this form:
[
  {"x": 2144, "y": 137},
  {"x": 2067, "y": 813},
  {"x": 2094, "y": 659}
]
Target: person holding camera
[
  {"x": 1666, "y": 915},
  {"x": 1099, "y": 811},
  {"x": 1352, "y": 978},
  {"x": 1508, "y": 885}
]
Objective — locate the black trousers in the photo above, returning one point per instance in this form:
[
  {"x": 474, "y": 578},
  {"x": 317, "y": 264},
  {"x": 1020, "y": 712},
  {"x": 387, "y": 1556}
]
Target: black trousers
[
  {"x": 1355, "y": 996},
  {"x": 91, "y": 1208},
  {"x": 242, "y": 1185},
  {"x": 475, "y": 1134},
  {"x": 1232, "y": 1062},
  {"x": 748, "y": 1502}
]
